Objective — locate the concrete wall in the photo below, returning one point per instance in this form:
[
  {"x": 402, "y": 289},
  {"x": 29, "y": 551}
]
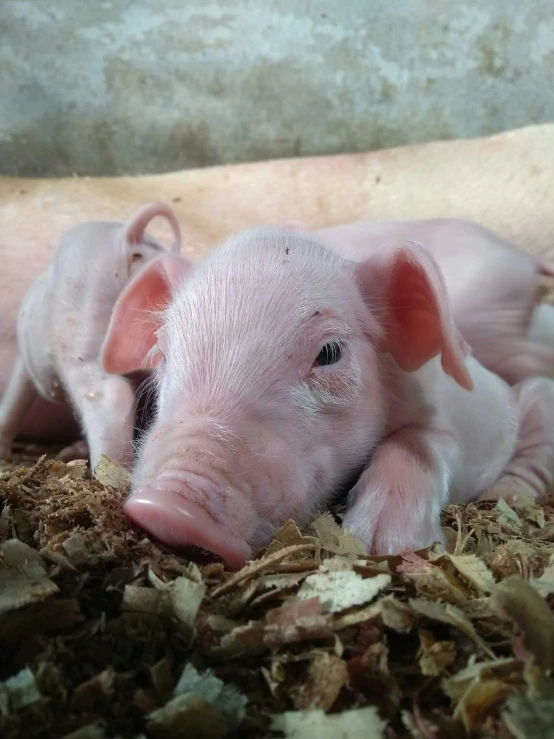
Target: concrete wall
[{"x": 136, "y": 86}]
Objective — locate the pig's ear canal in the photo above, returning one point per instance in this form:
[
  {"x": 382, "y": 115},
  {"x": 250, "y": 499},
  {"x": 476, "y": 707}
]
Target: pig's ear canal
[
  {"x": 408, "y": 289},
  {"x": 135, "y": 316}
]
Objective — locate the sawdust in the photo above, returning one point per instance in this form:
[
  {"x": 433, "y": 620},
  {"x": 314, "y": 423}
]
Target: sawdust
[{"x": 104, "y": 633}]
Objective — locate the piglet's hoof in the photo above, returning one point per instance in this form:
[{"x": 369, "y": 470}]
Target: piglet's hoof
[
  {"x": 508, "y": 488},
  {"x": 77, "y": 450}
]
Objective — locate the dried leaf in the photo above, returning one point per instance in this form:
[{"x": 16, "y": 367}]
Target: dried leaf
[
  {"x": 23, "y": 577},
  {"x": 529, "y": 719},
  {"x": 506, "y": 513},
  {"x": 475, "y": 672},
  {"x": 112, "y": 475},
  {"x": 295, "y": 622},
  {"x": 187, "y": 715},
  {"x": 360, "y": 723},
  {"x": 436, "y": 583},
  {"x": 474, "y": 570},
  {"x": 327, "y": 674},
  {"x": 341, "y": 589},
  {"x": 479, "y": 702},
  {"x": 521, "y": 602},
  {"x": 141, "y": 600},
  {"x": 18, "y": 691},
  {"x": 184, "y": 598},
  {"x": 288, "y": 535},
  {"x": 253, "y": 568},
  {"x": 228, "y": 701},
  {"x": 451, "y": 615},
  {"x": 435, "y": 655}
]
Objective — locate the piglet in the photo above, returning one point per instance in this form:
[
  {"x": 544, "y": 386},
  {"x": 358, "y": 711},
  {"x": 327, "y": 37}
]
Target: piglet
[
  {"x": 283, "y": 369},
  {"x": 492, "y": 287},
  {"x": 62, "y": 323}
]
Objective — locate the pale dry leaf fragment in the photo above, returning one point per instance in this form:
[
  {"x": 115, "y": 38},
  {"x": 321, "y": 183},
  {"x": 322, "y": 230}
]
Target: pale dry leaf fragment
[
  {"x": 396, "y": 615},
  {"x": 479, "y": 701},
  {"x": 183, "y": 598},
  {"x": 77, "y": 469},
  {"x": 112, "y": 475},
  {"x": 18, "y": 691},
  {"x": 23, "y": 577},
  {"x": 283, "y": 581},
  {"x": 438, "y": 584},
  {"x": 336, "y": 540},
  {"x": 226, "y": 699},
  {"x": 288, "y": 535},
  {"x": 450, "y": 615},
  {"x": 327, "y": 531},
  {"x": 505, "y": 511},
  {"x": 359, "y": 616},
  {"x": 359, "y": 723},
  {"x": 327, "y": 674},
  {"x": 529, "y": 719},
  {"x": 342, "y": 589},
  {"x": 75, "y": 547},
  {"x": 435, "y": 656},
  {"x": 141, "y": 600},
  {"x": 348, "y": 544},
  {"x": 530, "y": 510},
  {"x": 187, "y": 715},
  {"x": 248, "y": 639},
  {"x": 458, "y": 684},
  {"x": 221, "y": 624},
  {"x": 296, "y": 621},
  {"x": 544, "y": 584},
  {"x": 474, "y": 570},
  {"x": 260, "y": 565},
  {"x": 521, "y": 602}
]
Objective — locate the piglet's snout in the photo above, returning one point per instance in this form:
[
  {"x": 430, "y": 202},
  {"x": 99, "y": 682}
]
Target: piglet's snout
[
  {"x": 173, "y": 519},
  {"x": 189, "y": 499}
]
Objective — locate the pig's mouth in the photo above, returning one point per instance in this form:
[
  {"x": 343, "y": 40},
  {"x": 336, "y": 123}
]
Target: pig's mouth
[{"x": 181, "y": 524}]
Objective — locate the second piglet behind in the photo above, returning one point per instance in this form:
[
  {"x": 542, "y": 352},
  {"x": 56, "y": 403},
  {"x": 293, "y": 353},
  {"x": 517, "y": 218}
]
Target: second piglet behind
[{"x": 62, "y": 324}]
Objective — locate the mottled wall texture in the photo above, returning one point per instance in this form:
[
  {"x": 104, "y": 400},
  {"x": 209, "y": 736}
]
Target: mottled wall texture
[{"x": 142, "y": 86}]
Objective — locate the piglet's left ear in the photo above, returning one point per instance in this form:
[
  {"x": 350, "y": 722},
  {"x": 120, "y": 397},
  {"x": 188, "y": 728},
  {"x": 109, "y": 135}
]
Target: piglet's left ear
[{"x": 406, "y": 286}]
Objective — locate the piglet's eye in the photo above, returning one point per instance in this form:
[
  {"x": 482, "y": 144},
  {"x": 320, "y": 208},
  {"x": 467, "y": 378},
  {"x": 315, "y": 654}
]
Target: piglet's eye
[{"x": 329, "y": 354}]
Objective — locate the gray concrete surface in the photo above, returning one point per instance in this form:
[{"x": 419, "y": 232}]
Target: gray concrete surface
[{"x": 137, "y": 86}]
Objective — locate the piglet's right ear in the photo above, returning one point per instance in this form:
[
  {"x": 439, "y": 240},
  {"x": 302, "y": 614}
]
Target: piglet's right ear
[{"x": 135, "y": 316}]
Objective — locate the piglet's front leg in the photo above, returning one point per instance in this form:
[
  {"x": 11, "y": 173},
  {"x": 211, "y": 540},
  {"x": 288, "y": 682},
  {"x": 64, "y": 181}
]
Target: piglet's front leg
[
  {"x": 106, "y": 406},
  {"x": 395, "y": 507},
  {"x": 16, "y": 402}
]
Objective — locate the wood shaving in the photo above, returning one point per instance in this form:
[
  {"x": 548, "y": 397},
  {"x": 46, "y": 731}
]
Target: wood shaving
[{"x": 105, "y": 633}]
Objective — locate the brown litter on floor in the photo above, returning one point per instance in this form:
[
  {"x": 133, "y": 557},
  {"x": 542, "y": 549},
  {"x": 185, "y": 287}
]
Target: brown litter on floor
[{"x": 106, "y": 634}]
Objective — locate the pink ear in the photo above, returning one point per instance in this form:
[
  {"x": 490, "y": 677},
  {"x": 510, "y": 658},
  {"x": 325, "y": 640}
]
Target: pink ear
[
  {"x": 411, "y": 294},
  {"x": 134, "y": 231},
  {"x": 135, "y": 316}
]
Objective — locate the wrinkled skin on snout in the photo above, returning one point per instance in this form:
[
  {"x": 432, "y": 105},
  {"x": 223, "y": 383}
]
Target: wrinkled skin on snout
[{"x": 281, "y": 369}]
